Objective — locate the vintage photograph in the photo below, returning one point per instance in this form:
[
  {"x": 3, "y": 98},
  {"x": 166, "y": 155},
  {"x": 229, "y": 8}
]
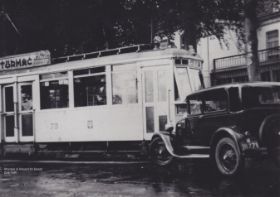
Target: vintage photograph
[{"x": 139, "y": 98}]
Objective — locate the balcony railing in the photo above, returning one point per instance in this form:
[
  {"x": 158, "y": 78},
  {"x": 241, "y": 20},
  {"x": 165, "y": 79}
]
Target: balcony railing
[{"x": 266, "y": 56}]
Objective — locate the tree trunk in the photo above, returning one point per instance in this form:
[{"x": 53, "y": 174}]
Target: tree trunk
[
  {"x": 251, "y": 38},
  {"x": 189, "y": 38}
]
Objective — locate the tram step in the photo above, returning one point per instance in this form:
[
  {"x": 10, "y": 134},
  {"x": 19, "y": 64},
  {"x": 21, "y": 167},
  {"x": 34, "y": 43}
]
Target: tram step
[
  {"x": 19, "y": 148},
  {"x": 88, "y": 151}
]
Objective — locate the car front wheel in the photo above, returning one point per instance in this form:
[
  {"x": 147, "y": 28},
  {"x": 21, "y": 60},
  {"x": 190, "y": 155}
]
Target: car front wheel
[
  {"x": 228, "y": 159},
  {"x": 159, "y": 154}
]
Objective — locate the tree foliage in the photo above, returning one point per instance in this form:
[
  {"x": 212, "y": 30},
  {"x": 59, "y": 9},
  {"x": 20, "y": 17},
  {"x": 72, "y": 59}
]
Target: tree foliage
[
  {"x": 197, "y": 18},
  {"x": 72, "y": 26}
]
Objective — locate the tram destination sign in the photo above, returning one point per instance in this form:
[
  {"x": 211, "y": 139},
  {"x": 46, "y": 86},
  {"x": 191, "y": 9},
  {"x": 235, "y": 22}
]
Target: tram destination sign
[{"x": 38, "y": 58}]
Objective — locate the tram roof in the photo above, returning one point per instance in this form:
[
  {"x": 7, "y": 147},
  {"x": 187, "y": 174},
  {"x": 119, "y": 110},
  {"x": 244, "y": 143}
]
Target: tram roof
[
  {"x": 133, "y": 57},
  {"x": 79, "y": 60},
  {"x": 134, "y": 51}
]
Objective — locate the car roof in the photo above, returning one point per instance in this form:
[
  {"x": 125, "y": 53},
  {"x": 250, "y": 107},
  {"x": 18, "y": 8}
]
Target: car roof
[{"x": 239, "y": 85}]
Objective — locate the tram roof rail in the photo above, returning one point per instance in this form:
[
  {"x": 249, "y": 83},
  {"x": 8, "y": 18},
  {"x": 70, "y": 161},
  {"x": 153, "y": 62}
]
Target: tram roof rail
[{"x": 106, "y": 52}]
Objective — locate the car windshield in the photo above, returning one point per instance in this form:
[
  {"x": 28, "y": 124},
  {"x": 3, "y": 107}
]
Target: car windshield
[{"x": 259, "y": 96}]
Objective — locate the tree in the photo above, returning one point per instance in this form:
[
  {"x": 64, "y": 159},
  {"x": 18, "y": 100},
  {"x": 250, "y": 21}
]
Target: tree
[
  {"x": 252, "y": 10},
  {"x": 72, "y": 26},
  {"x": 65, "y": 26},
  {"x": 251, "y": 26},
  {"x": 196, "y": 18}
]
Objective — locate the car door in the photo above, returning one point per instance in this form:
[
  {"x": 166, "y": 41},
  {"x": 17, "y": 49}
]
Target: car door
[
  {"x": 195, "y": 104},
  {"x": 214, "y": 114}
]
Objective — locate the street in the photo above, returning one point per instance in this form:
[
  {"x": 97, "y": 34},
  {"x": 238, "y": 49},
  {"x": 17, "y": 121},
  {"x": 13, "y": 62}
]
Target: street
[{"x": 132, "y": 179}]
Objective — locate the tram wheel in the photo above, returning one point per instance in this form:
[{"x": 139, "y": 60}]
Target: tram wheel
[{"x": 159, "y": 154}]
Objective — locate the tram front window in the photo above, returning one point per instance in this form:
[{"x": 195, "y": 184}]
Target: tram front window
[{"x": 187, "y": 81}]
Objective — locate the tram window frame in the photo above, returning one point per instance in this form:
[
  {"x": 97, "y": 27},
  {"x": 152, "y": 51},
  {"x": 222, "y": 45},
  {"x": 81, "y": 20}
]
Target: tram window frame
[
  {"x": 59, "y": 82},
  {"x": 124, "y": 96},
  {"x": 94, "y": 95}
]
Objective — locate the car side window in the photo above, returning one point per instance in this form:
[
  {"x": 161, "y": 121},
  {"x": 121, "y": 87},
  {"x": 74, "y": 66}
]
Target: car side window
[
  {"x": 195, "y": 105},
  {"x": 215, "y": 100}
]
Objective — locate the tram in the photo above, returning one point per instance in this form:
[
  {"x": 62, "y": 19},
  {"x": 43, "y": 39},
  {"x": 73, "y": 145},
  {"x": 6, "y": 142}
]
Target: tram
[{"x": 103, "y": 100}]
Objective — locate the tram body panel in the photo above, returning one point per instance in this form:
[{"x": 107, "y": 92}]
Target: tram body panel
[{"x": 101, "y": 123}]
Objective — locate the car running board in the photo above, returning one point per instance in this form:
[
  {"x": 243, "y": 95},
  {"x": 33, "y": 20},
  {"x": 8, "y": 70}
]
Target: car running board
[
  {"x": 194, "y": 152},
  {"x": 206, "y": 148},
  {"x": 191, "y": 156}
]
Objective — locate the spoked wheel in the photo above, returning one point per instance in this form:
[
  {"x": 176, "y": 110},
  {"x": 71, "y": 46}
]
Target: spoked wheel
[
  {"x": 271, "y": 139},
  {"x": 159, "y": 153},
  {"x": 227, "y": 157}
]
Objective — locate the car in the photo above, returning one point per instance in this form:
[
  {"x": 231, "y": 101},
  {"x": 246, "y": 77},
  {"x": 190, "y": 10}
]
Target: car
[{"x": 227, "y": 124}]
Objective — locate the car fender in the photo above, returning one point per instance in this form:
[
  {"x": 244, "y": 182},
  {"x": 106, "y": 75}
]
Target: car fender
[
  {"x": 232, "y": 132},
  {"x": 166, "y": 138}
]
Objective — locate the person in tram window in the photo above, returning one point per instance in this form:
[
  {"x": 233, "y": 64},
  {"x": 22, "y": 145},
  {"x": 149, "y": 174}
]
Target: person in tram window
[
  {"x": 26, "y": 102},
  {"x": 100, "y": 96}
]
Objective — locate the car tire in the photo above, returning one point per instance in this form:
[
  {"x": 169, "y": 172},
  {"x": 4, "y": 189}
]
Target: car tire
[
  {"x": 228, "y": 159},
  {"x": 159, "y": 153},
  {"x": 271, "y": 139}
]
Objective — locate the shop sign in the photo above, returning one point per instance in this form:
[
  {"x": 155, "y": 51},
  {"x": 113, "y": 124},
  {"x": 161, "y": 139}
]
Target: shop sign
[{"x": 26, "y": 60}]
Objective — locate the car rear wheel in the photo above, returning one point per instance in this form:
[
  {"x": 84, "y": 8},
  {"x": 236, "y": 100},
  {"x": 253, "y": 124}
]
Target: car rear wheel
[
  {"x": 271, "y": 138},
  {"x": 159, "y": 153},
  {"x": 228, "y": 160}
]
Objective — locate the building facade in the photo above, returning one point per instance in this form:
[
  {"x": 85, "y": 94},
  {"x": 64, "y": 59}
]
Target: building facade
[{"x": 233, "y": 68}]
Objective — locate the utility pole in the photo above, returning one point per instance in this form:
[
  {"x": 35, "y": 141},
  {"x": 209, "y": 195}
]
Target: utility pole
[
  {"x": 4, "y": 17},
  {"x": 2, "y": 31}
]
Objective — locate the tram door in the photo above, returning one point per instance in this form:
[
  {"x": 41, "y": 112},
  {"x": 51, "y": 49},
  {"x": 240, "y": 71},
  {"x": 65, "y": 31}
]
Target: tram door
[
  {"x": 25, "y": 115},
  {"x": 156, "y": 98},
  {"x": 18, "y": 112},
  {"x": 9, "y": 113}
]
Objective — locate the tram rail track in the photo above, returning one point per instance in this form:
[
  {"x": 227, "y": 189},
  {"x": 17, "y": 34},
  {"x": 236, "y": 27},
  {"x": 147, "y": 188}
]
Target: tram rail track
[{"x": 14, "y": 161}]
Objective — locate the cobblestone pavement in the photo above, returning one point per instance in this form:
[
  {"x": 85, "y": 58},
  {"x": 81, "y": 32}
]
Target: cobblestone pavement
[{"x": 191, "y": 179}]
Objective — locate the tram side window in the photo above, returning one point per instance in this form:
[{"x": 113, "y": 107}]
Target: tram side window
[
  {"x": 124, "y": 87},
  {"x": 90, "y": 87},
  {"x": 54, "y": 90}
]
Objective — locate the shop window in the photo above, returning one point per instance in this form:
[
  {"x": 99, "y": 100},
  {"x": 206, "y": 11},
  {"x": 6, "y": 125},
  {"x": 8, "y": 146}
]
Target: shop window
[
  {"x": 265, "y": 76},
  {"x": 276, "y": 75}
]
